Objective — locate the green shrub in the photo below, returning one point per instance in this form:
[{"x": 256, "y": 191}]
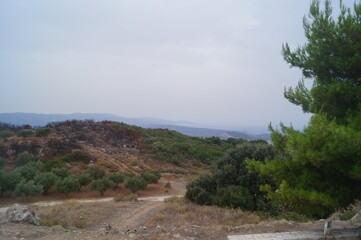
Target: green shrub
[
  {"x": 96, "y": 173},
  {"x": 134, "y": 183},
  {"x": 150, "y": 176},
  {"x": 67, "y": 185},
  {"x": 347, "y": 214},
  {"x": 46, "y": 180},
  {"x": 234, "y": 196},
  {"x": 25, "y": 132},
  {"x": 61, "y": 172},
  {"x": 27, "y": 188},
  {"x": 30, "y": 170},
  {"x": 77, "y": 156},
  {"x": 42, "y": 132},
  {"x": 9, "y": 180},
  {"x": 84, "y": 179},
  {"x": 200, "y": 191},
  {"x": 56, "y": 162},
  {"x": 116, "y": 178},
  {"x": 24, "y": 158},
  {"x": 101, "y": 185},
  {"x": 4, "y": 134}
]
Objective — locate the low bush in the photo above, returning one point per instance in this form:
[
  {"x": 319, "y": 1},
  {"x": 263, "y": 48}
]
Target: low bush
[
  {"x": 4, "y": 134},
  {"x": 101, "y": 185},
  {"x": 67, "y": 185},
  {"x": 24, "y": 158},
  {"x": 42, "y": 132},
  {"x": 77, "y": 156},
  {"x": 27, "y": 188},
  {"x": 96, "y": 173},
  {"x": 135, "y": 183},
  {"x": 25, "y": 133},
  {"x": 61, "y": 172}
]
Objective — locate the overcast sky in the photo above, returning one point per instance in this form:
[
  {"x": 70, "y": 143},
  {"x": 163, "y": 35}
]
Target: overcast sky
[{"x": 213, "y": 62}]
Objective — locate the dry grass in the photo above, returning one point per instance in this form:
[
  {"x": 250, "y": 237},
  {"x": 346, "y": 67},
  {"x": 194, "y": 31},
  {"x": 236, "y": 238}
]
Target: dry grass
[
  {"x": 190, "y": 214},
  {"x": 68, "y": 215},
  {"x": 123, "y": 198}
]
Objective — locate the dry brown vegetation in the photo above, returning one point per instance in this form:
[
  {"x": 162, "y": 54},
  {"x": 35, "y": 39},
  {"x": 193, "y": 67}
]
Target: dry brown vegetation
[{"x": 191, "y": 214}]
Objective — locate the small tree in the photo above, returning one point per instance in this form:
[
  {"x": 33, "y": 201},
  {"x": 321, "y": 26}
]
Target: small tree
[
  {"x": 47, "y": 180},
  {"x": 67, "y": 185},
  {"x": 9, "y": 180},
  {"x": 101, "y": 185},
  {"x": 135, "y": 183},
  {"x": 30, "y": 170},
  {"x": 61, "y": 172},
  {"x": 24, "y": 158},
  {"x": 57, "y": 162},
  {"x": 25, "y": 133},
  {"x": 150, "y": 176},
  {"x": 96, "y": 173},
  {"x": 84, "y": 179},
  {"x": 4, "y": 134},
  {"x": 42, "y": 132},
  {"x": 25, "y": 189},
  {"x": 116, "y": 178}
]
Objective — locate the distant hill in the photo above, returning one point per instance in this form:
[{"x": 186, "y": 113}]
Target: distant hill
[{"x": 35, "y": 119}]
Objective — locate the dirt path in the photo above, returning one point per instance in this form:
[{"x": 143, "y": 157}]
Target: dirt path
[{"x": 122, "y": 216}]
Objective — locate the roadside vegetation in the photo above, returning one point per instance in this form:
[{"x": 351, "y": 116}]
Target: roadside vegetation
[{"x": 316, "y": 171}]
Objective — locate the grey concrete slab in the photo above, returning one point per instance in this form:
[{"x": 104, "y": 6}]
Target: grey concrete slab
[{"x": 345, "y": 234}]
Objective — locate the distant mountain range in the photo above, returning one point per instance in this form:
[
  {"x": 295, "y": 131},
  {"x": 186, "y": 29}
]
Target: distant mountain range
[{"x": 38, "y": 120}]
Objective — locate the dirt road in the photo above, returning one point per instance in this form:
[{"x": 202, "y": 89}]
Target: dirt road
[{"x": 127, "y": 219}]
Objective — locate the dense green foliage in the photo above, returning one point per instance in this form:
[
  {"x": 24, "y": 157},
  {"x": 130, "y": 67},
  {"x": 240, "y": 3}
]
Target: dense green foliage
[
  {"x": 61, "y": 173},
  {"x": 135, "y": 183},
  {"x": 96, "y": 173},
  {"x": 116, "y": 178},
  {"x": 46, "y": 180},
  {"x": 24, "y": 158},
  {"x": 150, "y": 176},
  {"x": 25, "y": 132},
  {"x": 331, "y": 59},
  {"x": 42, "y": 132},
  {"x": 77, "y": 156},
  {"x": 4, "y": 134},
  {"x": 27, "y": 188},
  {"x": 102, "y": 184},
  {"x": 57, "y": 162},
  {"x": 84, "y": 179},
  {"x": 318, "y": 170},
  {"x": 67, "y": 185},
  {"x": 230, "y": 183},
  {"x": 176, "y": 148}
]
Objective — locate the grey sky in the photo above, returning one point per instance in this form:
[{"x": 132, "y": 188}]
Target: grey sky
[{"x": 213, "y": 62}]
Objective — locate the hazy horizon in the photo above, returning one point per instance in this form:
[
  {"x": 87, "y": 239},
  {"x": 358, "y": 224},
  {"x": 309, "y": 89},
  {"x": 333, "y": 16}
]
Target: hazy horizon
[{"x": 213, "y": 63}]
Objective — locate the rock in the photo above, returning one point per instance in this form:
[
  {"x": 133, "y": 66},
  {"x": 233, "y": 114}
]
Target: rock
[
  {"x": 20, "y": 214},
  {"x": 177, "y": 235}
]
